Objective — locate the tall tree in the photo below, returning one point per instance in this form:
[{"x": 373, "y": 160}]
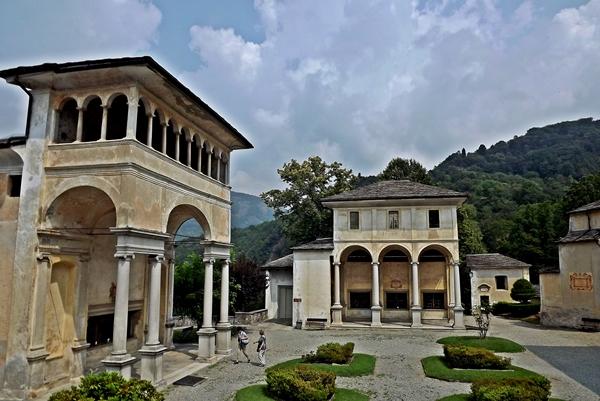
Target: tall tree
[
  {"x": 587, "y": 190},
  {"x": 470, "y": 238},
  {"x": 298, "y": 207},
  {"x": 405, "y": 169}
]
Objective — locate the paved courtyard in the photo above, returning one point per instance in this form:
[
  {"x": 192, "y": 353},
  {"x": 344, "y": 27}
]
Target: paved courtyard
[{"x": 557, "y": 354}]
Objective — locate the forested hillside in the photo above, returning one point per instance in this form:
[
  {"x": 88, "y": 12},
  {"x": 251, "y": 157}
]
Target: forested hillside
[{"x": 248, "y": 210}]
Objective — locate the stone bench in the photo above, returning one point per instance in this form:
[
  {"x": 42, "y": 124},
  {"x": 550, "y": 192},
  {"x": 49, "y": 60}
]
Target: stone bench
[{"x": 316, "y": 323}]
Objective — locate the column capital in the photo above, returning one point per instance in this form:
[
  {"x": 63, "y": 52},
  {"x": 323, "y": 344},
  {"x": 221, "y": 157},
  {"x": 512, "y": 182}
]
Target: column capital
[
  {"x": 337, "y": 263},
  {"x": 414, "y": 263},
  {"x": 227, "y": 261},
  {"x": 375, "y": 264},
  {"x": 159, "y": 258},
  {"x": 43, "y": 257},
  {"x": 125, "y": 256},
  {"x": 209, "y": 260},
  {"x": 84, "y": 258}
]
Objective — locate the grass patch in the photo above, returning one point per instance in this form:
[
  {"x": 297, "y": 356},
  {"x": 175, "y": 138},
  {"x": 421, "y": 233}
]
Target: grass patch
[
  {"x": 465, "y": 397},
  {"x": 258, "y": 392},
  {"x": 495, "y": 344},
  {"x": 435, "y": 367},
  {"x": 361, "y": 365}
]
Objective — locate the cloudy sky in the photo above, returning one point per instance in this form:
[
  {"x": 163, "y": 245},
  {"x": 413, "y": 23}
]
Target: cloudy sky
[{"x": 355, "y": 81}]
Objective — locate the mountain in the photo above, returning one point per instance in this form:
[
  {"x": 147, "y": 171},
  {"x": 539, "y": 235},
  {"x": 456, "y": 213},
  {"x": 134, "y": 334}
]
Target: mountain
[{"x": 248, "y": 210}]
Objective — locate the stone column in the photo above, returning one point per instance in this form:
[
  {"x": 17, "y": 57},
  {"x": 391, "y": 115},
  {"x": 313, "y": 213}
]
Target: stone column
[
  {"x": 104, "y": 122},
  {"x": 376, "y": 307},
  {"x": 164, "y": 138},
  {"x": 450, "y": 275},
  {"x": 119, "y": 360},
  {"x": 189, "y": 152},
  {"x": 149, "y": 135},
  {"x": 218, "y": 177},
  {"x": 169, "y": 320},
  {"x": 152, "y": 352},
  {"x": 209, "y": 165},
  {"x": 458, "y": 309},
  {"x": 206, "y": 335},
  {"x": 36, "y": 354},
  {"x": 227, "y": 172},
  {"x": 200, "y": 151},
  {"x": 336, "y": 308},
  {"x": 223, "y": 327},
  {"x": 177, "y": 150},
  {"x": 415, "y": 309},
  {"x": 79, "y": 124},
  {"x": 80, "y": 345},
  {"x": 132, "y": 110}
]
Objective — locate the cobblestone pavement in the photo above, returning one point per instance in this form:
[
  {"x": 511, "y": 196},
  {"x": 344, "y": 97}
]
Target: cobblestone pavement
[{"x": 398, "y": 373}]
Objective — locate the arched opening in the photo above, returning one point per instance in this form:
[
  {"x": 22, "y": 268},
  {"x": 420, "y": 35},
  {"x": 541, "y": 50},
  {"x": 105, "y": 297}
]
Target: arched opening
[
  {"x": 214, "y": 168},
  {"x": 433, "y": 282},
  {"x": 92, "y": 120},
  {"x": 171, "y": 140},
  {"x": 356, "y": 280},
  {"x": 183, "y": 146},
  {"x": 204, "y": 167},
  {"x": 141, "y": 131},
  {"x": 223, "y": 172},
  {"x": 157, "y": 131},
  {"x": 195, "y": 152},
  {"x": 67, "y": 122},
  {"x": 394, "y": 270},
  {"x": 117, "y": 118}
]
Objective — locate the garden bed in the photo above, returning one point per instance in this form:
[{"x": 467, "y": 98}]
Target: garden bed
[
  {"x": 361, "y": 365},
  {"x": 258, "y": 392},
  {"x": 435, "y": 367},
  {"x": 495, "y": 344}
]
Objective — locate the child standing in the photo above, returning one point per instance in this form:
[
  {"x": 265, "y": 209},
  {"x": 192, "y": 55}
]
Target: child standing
[
  {"x": 261, "y": 348},
  {"x": 243, "y": 341}
]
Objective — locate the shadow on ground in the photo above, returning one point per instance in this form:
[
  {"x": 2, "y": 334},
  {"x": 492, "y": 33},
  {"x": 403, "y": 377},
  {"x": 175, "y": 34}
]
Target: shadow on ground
[{"x": 580, "y": 363}]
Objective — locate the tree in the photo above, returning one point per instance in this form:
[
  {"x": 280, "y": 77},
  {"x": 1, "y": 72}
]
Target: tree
[
  {"x": 482, "y": 316},
  {"x": 522, "y": 291},
  {"x": 470, "y": 238},
  {"x": 586, "y": 190},
  {"x": 251, "y": 295},
  {"x": 405, "y": 169},
  {"x": 298, "y": 207}
]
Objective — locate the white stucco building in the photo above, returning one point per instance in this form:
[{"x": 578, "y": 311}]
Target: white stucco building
[{"x": 393, "y": 257}]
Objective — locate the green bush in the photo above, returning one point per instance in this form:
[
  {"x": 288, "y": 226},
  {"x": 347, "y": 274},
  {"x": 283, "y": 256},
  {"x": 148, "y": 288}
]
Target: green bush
[
  {"x": 518, "y": 389},
  {"x": 331, "y": 353},
  {"x": 516, "y": 310},
  {"x": 185, "y": 336},
  {"x": 300, "y": 384},
  {"x": 522, "y": 291},
  {"x": 459, "y": 356},
  {"x": 109, "y": 386}
]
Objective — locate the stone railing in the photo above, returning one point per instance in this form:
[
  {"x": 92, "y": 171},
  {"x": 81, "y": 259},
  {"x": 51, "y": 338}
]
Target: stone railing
[{"x": 252, "y": 317}]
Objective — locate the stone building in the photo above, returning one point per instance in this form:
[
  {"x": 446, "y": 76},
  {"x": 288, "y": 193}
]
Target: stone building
[
  {"x": 393, "y": 258},
  {"x": 493, "y": 276},
  {"x": 117, "y": 155},
  {"x": 570, "y": 295}
]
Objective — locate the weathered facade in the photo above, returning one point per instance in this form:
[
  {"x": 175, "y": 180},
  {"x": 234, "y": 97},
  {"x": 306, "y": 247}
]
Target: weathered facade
[
  {"x": 493, "y": 276},
  {"x": 570, "y": 295},
  {"x": 117, "y": 155}
]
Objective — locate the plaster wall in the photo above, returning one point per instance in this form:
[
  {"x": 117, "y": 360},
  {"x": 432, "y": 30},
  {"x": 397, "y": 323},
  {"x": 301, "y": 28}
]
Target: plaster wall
[
  {"x": 311, "y": 286},
  {"x": 487, "y": 277},
  {"x": 395, "y": 276},
  {"x": 355, "y": 276},
  {"x": 584, "y": 221},
  {"x": 433, "y": 278},
  {"x": 277, "y": 277}
]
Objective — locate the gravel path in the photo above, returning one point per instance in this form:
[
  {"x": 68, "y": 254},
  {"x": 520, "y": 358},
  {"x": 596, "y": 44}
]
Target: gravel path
[{"x": 398, "y": 373}]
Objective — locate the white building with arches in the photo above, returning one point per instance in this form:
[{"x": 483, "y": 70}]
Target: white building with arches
[
  {"x": 117, "y": 155},
  {"x": 393, "y": 258}
]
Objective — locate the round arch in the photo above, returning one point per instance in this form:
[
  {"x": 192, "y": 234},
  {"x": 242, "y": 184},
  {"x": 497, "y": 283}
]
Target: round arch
[
  {"x": 82, "y": 208},
  {"x": 433, "y": 252},
  {"x": 183, "y": 212},
  {"x": 358, "y": 251},
  {"x": 98, "y": 183},
  {"x": 395, "y": 251},
  {"x": 111, "y": 98}
]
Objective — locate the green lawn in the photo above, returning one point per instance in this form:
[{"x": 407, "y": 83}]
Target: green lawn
[
  {"x": 258, "y": 392},
  {"x": 361, "y": 365},
  {"x": 495, "y": 344},
  {"x": 434, "y": 366},
  {"x": 465, "y": 397}
]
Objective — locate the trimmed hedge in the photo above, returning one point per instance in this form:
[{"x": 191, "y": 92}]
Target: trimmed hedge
[
  {"x": 514, "y": 309},
  {"x": 459, "y": 356},
  {"x": 331, "y": 353},
  {"x": 185, "y": 336},
  {"x": 300, "y": 384},
  {"x": 109, "y": 386},
  {"x": 518, "y": 389}
]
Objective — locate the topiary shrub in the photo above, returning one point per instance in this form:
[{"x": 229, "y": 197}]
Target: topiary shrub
[
  {"x": 522, "y": 291},
  {"x": 459, "y": 356},
  {"x": 331, "y": 353},
  {"x": 517, "y": 389},
  {"x": 301, "y": 383},
  {"x": 515, "y": 310},
  {"x": 109, "y": 386}
]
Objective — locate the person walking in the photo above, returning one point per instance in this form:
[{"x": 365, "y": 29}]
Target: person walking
[
  {"x": 243, "y": 341},
  {"x": 262, "y": 348}
]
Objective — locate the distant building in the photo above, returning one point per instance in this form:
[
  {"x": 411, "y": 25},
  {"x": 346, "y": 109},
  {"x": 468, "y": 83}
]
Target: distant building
[
  {"x": 393, "y": 258},
  {"x": 493, "y": 276},
  {"x": 570, "y": 295}
]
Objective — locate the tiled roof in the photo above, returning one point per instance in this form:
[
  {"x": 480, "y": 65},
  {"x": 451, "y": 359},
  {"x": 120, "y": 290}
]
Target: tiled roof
[
  {"x": 493, "y": 261},
  {"x": 586, "y": 208},
  {"x": 394, "y": 189},
  {"x": 281, "y": 263},
  {"x": 581, "y": 236},
  {"x": 549, "y": 270},
  {"x": 318, "y": 244}
]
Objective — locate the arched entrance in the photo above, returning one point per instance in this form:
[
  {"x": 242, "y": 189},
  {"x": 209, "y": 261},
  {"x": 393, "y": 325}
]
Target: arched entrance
[
  {"x": 434, "y": 270},
  {"x": 357, "y": 283},
  {"x": 394, "y": 262}
]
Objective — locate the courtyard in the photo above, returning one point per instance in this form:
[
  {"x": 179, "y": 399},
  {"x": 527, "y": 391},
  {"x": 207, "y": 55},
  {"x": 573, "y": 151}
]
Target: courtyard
[{"x": 554, "y": 353}]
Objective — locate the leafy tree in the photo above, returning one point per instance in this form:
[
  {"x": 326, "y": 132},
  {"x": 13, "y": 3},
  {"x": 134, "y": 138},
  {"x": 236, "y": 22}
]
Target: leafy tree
[
  {"x": 251, "y": 295},
  {"x": 405, "y": 169},
  {"x": 522, "y": 291},
  {"x": 261, "y": 242},
  {"x": 470, "y": 238},
  {"x": 298, "y": 208},
  {"x": 586, "y": 190}
]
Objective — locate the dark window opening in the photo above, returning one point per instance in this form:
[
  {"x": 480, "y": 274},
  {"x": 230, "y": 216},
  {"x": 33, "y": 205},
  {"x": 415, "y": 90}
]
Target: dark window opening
[
  {"x": 434, "y": 219},
  {"x": 67, "y": 122},
  {"x": 484, "y": 300},
  {"x": 431, "y": 255},
  {"x": 141, "y": 130},
  {"x": 183, "y": 148},
  {"x": 501, "y": 282},
  {"x": 170, "y": 141},
  {"x": 359, "y": 255},
  {"x": 393, "y": 219},
  {"x": 204, "y": 168},
  {"x": 195, "y": 154},
  {"x": 395, "y": 255},
  {"x": 116, "y": 127},
  {"x": 14, "y": 186},
  {"x": 433, "y": 300},
  {"x": 157, "y": 133},
  {"x": 92, "y": 121},
  {"x": 354, "y": 220},
  {"x": 360, "y": 299},
  {"x": 100, "y": 328},
  {"x": 214, "y": 166},
  {"x": 396, "y": 300},
  {"x": 223, "y": 177}
]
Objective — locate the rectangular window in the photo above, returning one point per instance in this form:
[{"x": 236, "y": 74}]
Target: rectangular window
[
  {"x": 354, "y": 220},
  {"x": 14, "y": 186},
  {"x": 360, "y": 299},
  {"x": 433, "y": 300},
  {"x": 100, "y": 328},
  {"x": 396, "y": 300},
  {"x": 501, "y": 282},
  {"x": 484, "y": 300},
  {"x": 393, "y": 219},
  {"x": 434, "y": 219}
]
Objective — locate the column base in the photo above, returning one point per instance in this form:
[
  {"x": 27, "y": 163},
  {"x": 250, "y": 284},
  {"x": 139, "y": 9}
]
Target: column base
[
  {"x": 152, "y": 363},
  {"x": 375, "y": 316},
  {"x": 415, "y": 312},
  {"x": 336, "y": 315},
  {"x": 79, "y": 358},
  {"x": 459, "y": 321},
  {"x": 223, "y": 338},
  {"x": 169, "y": 335},
  {"x": 37, "y": 365},
  {"x": 119, "y": 363},
  {"x": 206, "y": 344}
]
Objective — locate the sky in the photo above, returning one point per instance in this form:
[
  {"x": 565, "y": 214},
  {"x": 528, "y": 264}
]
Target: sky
[{"x": 354, "y": 81}]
